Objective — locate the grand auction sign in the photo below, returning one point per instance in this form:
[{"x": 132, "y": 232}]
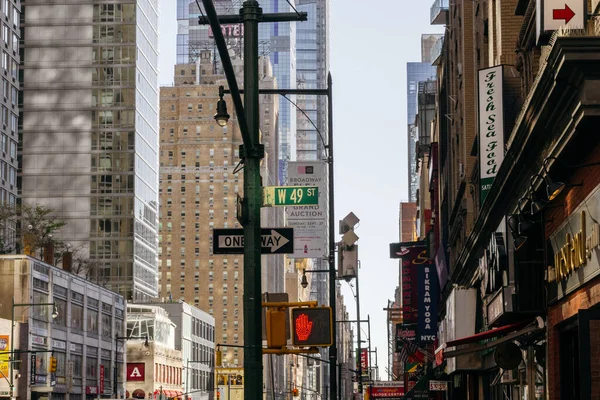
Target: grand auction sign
[
  {"x": 309, "y": 222},
  {"x": 491, "y": 126}
]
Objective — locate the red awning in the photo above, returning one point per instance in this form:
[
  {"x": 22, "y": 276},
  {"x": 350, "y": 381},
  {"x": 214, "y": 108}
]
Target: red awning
[{"x": 487, "y": 334}]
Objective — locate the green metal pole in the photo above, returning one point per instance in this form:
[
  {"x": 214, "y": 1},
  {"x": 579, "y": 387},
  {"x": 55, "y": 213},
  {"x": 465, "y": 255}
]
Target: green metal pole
[
  {"x": 12, "y": 349},
  {"x": 251, "y": 14}
]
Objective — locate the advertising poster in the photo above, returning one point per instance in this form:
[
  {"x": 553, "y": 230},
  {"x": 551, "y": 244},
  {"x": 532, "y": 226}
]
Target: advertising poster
[{"x": 4, "y": 354}]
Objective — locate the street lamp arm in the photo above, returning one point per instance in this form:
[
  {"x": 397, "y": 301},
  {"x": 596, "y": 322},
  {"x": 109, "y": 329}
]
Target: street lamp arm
[
  {"x": 308, "y": 118},
  {"x": 213, "y": 20}
]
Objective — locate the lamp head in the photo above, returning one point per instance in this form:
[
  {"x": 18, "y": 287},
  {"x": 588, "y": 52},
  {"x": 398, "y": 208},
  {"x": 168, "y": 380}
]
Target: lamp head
[
  {"x": 221, "y": 116},
  {"x": 55, "y": 312},
  {"x": 553, "y": 189},
  {"x": 146, "y": 344},
  {"x": 519, "y": 241},
  {"x": 304, "y": 281}
]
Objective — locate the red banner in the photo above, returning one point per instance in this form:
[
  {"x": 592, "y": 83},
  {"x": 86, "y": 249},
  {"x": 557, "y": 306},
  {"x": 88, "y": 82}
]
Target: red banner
[
  {"x": 102, "y": 379},
  {"x": 413, "y": 255},
  {"x": 364, "y": 359},
  {"x": 136, "y": 372}
]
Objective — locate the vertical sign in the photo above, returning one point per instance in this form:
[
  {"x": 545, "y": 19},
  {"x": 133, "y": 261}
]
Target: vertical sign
[
  {"x": 309, "y": 222},
  {"x": 491, "y": 126},
  {"x": 69, "y": 375},
  {"x": 101, "y": 379},
  {"x": 364, "y": 360},
  {"x": 428, "y": 289},
  {"x": 4, "y": 355},
  {"x": 32, "y": 369},
  {"x": 413, "y": 255}
]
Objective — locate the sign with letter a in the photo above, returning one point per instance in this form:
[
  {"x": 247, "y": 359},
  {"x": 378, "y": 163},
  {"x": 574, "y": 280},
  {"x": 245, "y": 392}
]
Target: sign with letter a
[{"x": 136, "y": 372}]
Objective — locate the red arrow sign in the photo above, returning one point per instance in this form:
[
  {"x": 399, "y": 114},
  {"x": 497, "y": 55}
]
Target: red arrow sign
[{"x": 567, "y": 14}]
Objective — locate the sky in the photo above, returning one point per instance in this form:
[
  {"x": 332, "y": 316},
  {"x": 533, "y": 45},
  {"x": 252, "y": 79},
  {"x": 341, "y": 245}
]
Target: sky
[{"x": 370, "y": 42}]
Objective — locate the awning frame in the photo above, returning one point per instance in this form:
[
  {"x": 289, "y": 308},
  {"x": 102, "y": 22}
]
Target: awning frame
[{"x": 536, "y": 325}]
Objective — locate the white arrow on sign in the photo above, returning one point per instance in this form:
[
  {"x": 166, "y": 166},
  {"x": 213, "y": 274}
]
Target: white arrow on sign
[{"x": 274, "y": 241}]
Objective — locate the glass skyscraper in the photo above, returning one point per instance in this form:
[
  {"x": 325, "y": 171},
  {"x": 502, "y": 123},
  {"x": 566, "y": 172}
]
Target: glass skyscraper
[
  {"x": 90, "y": 132},
  {"x": 276, "y": 40}
]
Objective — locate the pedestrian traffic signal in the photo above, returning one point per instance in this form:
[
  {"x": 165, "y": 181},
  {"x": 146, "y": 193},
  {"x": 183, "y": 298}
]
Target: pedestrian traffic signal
[
  {"x": 311, "y": 326},
  {"x": 53, "y": 364},
  {"x": 276, "y": 337}
]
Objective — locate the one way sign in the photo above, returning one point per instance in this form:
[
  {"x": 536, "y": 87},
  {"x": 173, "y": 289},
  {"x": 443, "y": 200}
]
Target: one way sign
[{"x": 274, "y": 241}]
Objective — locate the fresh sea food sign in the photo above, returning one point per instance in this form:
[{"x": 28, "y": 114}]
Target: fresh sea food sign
[{"x": 491, "y": 126}]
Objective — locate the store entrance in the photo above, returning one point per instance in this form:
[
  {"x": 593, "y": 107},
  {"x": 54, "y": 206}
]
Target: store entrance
[{"x": 589, "y": 362}]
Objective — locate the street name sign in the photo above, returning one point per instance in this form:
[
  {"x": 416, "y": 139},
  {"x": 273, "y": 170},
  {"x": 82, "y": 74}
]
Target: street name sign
[
  {"x": 274, "y": 241},
  {"x": 290, "y": 196}
]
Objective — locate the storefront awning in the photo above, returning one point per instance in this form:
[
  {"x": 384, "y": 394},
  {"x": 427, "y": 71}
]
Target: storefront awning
[{"x": 510, "y": 332}]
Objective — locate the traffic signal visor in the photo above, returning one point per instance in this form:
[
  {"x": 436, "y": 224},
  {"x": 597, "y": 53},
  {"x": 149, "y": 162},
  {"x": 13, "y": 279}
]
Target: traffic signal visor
[
  {"x": 311, "y": 326},
  {"x": 53, "y": 364}
]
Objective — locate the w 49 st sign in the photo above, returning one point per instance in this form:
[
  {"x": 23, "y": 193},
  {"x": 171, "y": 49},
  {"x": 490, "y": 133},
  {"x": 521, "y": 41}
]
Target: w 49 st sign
[{"x": 273, "y": 241}]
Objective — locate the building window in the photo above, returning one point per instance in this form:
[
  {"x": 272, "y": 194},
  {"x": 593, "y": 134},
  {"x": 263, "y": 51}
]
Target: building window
[{"x": 76, "y": 316}]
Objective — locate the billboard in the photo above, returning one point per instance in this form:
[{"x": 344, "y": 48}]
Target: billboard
[
  {"x": 309, "y": 222},
  {"x": 491, "y": 126}
]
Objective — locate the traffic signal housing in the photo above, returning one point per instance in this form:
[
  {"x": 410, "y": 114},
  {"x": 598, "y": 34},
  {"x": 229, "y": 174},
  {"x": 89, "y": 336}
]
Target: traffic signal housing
[
  {"x": 53, "y": 364},
  {"x": 311, "y": 326},
  {"x": 276, "y": 337}
]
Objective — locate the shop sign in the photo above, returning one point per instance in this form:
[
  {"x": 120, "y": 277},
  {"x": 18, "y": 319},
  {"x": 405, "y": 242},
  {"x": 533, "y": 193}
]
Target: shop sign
[
  {"x": 91, "y": 390},
  {"x": 102, "y": 379},
  {"x": 438, "y": 386},
  {"x": 491, "y": 126},
  {"x": 413, "y": 255},
  {"x": 495, "y": 308},
  {"x": 576, "y": 246},
  {"x": 428, "y": 291},
  {"x": 404, "y": 333},
  {"x": 38, "y": 340},
  {"x": 136, "y": 372},
  {"x": 32, "y": 369},
  {"x": 59, "y": 344},
  {"x": 382, "y": 390}
]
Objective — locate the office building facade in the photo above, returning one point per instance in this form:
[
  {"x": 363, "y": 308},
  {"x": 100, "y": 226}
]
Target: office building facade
[
  {"x": 89, "y": 132},
  {"x": 277, "y": 41},
  {"x": 10, "y": 114},
  {"x": 79, "y": 332}
]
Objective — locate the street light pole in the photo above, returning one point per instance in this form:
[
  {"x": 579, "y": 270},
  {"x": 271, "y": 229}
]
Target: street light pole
[
  {"x": 251, "y": 152},
  {"x": 12, "y": 336},
  {"x": 333, "y": 383}
]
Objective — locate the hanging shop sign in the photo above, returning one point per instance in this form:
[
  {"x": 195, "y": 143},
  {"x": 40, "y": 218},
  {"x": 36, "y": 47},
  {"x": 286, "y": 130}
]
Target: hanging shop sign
[
  {"x": 428, "y": 293},
  {"x": 414, "y": 256},
  {"x": 491, "y": 126},
  {"x": 576, "y": 247}
]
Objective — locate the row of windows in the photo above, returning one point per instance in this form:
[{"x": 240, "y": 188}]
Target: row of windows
[{"x": 167, "y": 374}]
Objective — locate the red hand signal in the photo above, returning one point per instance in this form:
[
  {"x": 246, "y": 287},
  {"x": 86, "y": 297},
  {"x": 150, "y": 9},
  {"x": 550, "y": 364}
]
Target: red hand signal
[{"x": 303, "y": 327}]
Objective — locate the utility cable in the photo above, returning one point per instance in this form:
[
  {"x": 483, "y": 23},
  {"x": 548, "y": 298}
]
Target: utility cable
[
  {"x": 293, "y": 8},
  {"x": 307, "y": 117}
]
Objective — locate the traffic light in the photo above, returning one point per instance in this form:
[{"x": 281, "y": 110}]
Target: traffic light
[
  {"x": 53, "y": 364},
  {"x": 219, "y": 358},
  {"x": 311, "y": 326},
  {"x": 295, "y": 392},
  {"x": 276, "y": 337}
]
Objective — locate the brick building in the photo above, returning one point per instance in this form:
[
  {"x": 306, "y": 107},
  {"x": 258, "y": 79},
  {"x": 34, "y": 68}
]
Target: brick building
[
  {"x": 199, "y": 185},
  {"x": 518, "y": 227}
]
